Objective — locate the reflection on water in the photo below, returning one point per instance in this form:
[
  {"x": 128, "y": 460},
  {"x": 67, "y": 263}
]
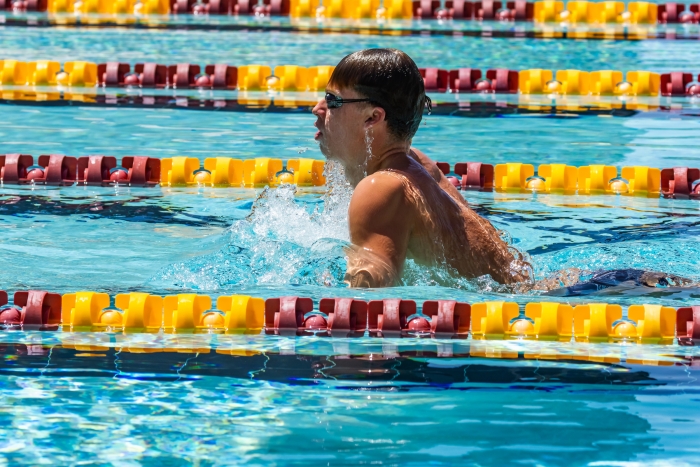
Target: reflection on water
[{"x": 299, "y": 407}]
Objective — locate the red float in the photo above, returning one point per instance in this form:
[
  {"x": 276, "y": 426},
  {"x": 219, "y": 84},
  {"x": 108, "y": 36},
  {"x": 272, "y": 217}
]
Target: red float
[
  {"x": 521, "y": 10},
  {"x": 502, "y": 80},
  {"x": 183, "y": 75},
  {"x": 678, "y": 181},
  {"x": 688, "y": 324},
  {"x": 675, "y": 84},
  {"x": 464, "y": 79},
  {"x": 95, "y": 170},
  {"x": 435, "y": 80},
  {"x": 418, "y": 324},
  {"x": 448, "y": 316},
  {"x": 670, "y": 12},
  {"x": 182, "y": 6},
  {"x": 112, "y": 74},
  {"x": 459, "y": 9},
  {"x": 695, "y": 10},
  {"x": 286, "y": 314},
  {"x": 425, "y": 8},
  {"x": 277, "y": 7},
  {"x": 152, "y": 75},
  {"x": 13, "y": 167},
  {"x": 57, "y": 170},
  {"x": 35, "y": 5},
  {"x": 132, "y": 79},
  {"x": 3, "y": 298},
  {"x": 346, "y": 316},
  {"x": 143, "y": 171},
  {"x": 444, "y": 167},
  {"x": 475, "y": 175},
  {"x": 220, "y": 7},
  {"x": 222, "y": 76},
  {"x": 39, "y": 308},
  {"x": 486, "y": 9},
  {"x": 247, "y": 7},
  {"x": 389, "y": 317}
]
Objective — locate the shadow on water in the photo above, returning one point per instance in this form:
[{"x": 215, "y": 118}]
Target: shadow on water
[
  {"x": 411, "y": 408},
  {"x": 134, "y": 209}
]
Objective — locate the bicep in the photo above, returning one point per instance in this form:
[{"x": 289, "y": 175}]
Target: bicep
[{"x": 380, "y": 219}]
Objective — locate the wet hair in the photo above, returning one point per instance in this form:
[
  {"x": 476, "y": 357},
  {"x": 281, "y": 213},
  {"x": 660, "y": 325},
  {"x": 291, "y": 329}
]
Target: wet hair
[{"x": 391, "y": 80}]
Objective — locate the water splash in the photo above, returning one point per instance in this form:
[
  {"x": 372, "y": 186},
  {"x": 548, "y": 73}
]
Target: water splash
[{"x": 284, "y": 240}]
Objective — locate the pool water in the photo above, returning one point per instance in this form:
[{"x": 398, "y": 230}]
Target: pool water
[{"x": 156, "y": 399}]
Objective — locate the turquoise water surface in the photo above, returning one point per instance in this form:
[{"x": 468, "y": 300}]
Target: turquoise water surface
[{"x": 157, "y": 399}]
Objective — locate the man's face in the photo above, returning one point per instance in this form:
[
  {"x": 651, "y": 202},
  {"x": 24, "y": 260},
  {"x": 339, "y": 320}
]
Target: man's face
[{"x": 342, "y": 131}]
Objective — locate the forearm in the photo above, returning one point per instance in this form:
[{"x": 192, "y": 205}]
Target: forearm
[{"x": 368, "y": 270}]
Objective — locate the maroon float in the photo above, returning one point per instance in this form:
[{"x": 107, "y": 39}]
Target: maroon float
[
  {"x": 95, "y": 170},
  {"x": 425, "y": 8},
  {"x": 678, "y": 181},
  {"x": 222, "y": 76},
  {"x": 502, "y": 80},
  {"x": 183, "y": 75},
  {"x": 33, "y": 308},
  {"x": 444, "y": 167},
  {"x": 675, "y": 84},
  {"x": 688, "y": 325},
  {"x": 285, "y": 315},
  {"x": 346, "y": 316},
  {"x": 448, "y": 316},
  {"x": 14, "y": 167},
  {"x": 464, "y": 79},
  {"x": 459, "y": 9},
  {"x": 152, "y": 75},
  {"x": 390, "y": 317},
  {"x": 57, "y": 170},
  {"x": 520, "y": 10},
  {"x": 112, "y": 74},
  {"x": 434, "y": 79},
  {"x": 475, "y": 175},
  {"x": 695, "y": 10},
  {"x": 219, "y": 7},
  {"x": 142, "y": 171},
  {"x": 182, "y": 6},
  {"x": 670, "y": 12},
  {"x": 486, "y": 9}
]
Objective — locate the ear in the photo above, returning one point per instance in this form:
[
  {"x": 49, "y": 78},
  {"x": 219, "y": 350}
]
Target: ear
[{"x": 376, "y": 116}]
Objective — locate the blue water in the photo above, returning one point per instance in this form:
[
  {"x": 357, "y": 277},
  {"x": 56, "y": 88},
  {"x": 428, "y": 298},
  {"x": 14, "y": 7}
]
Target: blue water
[
  {"x": 70, "y": 399},
  {"x": 272, "y": 48}
]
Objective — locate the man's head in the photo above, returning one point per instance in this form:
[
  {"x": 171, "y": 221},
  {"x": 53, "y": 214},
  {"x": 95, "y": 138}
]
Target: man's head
[{"x": 393, "y": 95}]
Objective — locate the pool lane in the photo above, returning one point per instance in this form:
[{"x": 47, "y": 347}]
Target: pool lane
[
  {"x": 275, "y": 48},
  {"x": 656, "y": 140}
]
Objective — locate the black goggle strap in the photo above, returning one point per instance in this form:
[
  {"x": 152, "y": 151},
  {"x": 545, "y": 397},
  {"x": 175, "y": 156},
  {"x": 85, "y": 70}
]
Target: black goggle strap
[
  {"x": 334, "y": 101},
  {"x": 429, "y": 104}
]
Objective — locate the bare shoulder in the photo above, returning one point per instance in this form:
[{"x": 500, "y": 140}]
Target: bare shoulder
[
  {"x": 381, "y": 216},
  {"x": 381, "y": 191}
]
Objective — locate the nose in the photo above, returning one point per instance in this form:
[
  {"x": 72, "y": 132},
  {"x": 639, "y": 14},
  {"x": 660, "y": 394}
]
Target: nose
[{"x": 319, "y": 107}]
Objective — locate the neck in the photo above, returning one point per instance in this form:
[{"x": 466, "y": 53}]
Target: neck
[{"x": 377, "y": 160}]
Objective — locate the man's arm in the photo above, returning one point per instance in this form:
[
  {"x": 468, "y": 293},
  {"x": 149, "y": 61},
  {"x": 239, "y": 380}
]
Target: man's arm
[{"x": 380, "y": 220}]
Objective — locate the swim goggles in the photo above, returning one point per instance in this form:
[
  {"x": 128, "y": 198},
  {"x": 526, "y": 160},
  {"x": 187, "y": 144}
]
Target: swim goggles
[{"x": 335, "y": 102}]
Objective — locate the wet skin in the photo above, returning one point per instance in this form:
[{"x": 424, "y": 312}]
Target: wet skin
[{"x": 403, "y": 206}]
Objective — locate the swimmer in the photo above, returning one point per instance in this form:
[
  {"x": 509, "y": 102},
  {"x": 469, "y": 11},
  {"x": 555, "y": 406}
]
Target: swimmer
[
  {"x": 403, "y": 206},
  {"x": 568, "y": 283}
]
